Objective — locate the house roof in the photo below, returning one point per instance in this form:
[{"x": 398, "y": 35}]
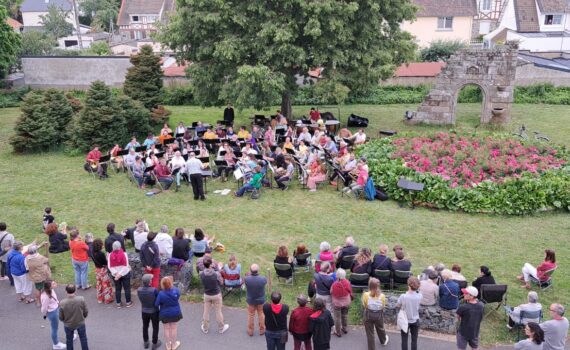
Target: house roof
[
  {"x": 553, "y": 6},
  {"x": 42, "y": 5},
  {"x": 419, "y": 69},
  {"x": 442, "y": 8},
  {"x": 138, "y": 7},
  {"x": 560, "y": 64},
  {"x": 526, "y": 16},
  {"x": 171, "y": 68},
  {"x": 13, "y": 23}
]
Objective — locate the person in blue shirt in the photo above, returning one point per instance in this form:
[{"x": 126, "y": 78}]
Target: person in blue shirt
[
  {"x": 149, "y": 141},
  {"x": 16, "y": 262},
  {"x": 448, "y": 292},
  {"x": 132, "y": 144},
  {"x": 167, "y": 301}
]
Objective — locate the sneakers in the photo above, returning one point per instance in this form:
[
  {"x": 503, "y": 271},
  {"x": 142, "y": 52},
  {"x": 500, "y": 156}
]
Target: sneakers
[
  {"x": 204, "y": 330},
  {"x": 146, "y": 344},
  {"x": 176, "y": 345},
  {"x": 119, "y": 305},
  {"x": 157, "y": 345},
  {"x": 59, "y": 346},
  {"x": 387, "y": 340},
  {"x": 129, "y": 304},
  {"x": 224, "y": 329}
]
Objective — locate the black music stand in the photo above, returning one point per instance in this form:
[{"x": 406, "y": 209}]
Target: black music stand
[
  {"x": 105, "y": 159},
  {"x": 387, "y": 133},
  {"x": 169, "y": 141},
  {"x": 205, "y": 175},
  {"x": 411, "y": 187},
  {"x": 123, "y": 153},
  {"x": 290, "y": 151},
  {"x": 140, "y": 149},
  {"x": 179, "y": 135}
]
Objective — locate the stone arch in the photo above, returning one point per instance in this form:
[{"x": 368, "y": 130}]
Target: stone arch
[{"x": 492, "y": 70}]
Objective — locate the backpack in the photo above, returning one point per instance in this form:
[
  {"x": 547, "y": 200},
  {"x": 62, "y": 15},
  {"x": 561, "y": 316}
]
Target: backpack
[
  {"x": 370, "y": 190},
  {"x": 381, "y": 194}
]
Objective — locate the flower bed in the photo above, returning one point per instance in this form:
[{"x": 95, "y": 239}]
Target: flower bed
[{"x": 473, "y": 174}]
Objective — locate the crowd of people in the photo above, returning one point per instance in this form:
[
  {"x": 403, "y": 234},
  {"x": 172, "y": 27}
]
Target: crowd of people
[
  {"x": 330, "y": 292},
  {"x": 272, "y": 150}
]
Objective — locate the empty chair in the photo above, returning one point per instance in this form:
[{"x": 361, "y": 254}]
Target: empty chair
[
  {"x": 400, "y": 278},
  {"x": 359, "y": 281},
  {"x": 494, "y": 293}
]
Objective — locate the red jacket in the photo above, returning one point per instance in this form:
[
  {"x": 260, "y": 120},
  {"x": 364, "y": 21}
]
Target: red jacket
[
  {"x": 341, "y": 288},
  {"x": 299, "y": 320},
  {"x": 162, "y": 171},
  {"x": 93, "y": 156},
  {"x": 542, "y": 268}
]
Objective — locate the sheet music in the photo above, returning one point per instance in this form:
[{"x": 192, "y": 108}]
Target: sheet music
[{"x": 238, "y": 174}]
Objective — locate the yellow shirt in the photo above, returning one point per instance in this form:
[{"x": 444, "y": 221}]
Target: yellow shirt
[
  {"x": 243, "y": 134},
  {"x": 210, "y": 135},
  {"x": 366, "y": 296}
]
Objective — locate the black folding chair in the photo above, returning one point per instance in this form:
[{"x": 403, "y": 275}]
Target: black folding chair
[
  {"x": 494, "y": 293},
  {"x": 384, "y": 276},
  {"x": 284, "y": 268},
  {"x": 359, "y": 281},
  {"x": 346, "y": 261},
  {"x": 400, "y": 278},
  {"x": 301, "y": 268}
]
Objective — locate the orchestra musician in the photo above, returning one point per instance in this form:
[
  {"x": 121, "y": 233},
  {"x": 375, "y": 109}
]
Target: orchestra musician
[
  {"x": 210, "y": 135},
  {"x": 163, "y": 174},
  {"x": 220, "y": 132},
  {"x": 180, "y": 129},
  {"x": 119, "y": 162},
  {"x": 229, "y": 158},
  {"x": 288, "y": 144},
  {"x": 130, "y": 158},
  {"x": 359, "y": 138},
  {"x": 149, "y": 141},
  {"x": 230, "y": 132},
  {"x": 164, "y": 135},
  {"x": 178, "y": 162},
  {"x": 269, "y": 136},
  {"x": 304, "y": 136},
  {"x": 243, "y": 133},
  {"x": 165, "y": 128},
  {"x": 138, "y": 171},
  {"x": 92, "y": 163},
  {"x": 133, "y": 143}
]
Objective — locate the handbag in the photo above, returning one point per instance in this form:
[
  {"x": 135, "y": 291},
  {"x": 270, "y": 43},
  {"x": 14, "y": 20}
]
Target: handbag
[{"x": 402, "y": 319}]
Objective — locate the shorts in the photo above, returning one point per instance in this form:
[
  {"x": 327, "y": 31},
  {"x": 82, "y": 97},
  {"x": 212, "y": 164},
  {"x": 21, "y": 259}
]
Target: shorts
[
  {"x": 39, "y": 286},
  {"x": 462, "y": 342},
  {"x": 172, "y": 319}
]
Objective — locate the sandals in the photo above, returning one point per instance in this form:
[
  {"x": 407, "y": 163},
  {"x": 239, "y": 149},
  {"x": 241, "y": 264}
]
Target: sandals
[{"x": 29, "y": 301}]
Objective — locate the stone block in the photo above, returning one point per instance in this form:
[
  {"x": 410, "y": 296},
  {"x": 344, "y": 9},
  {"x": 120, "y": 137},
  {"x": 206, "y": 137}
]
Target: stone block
[{"x": 182, "y": 276}]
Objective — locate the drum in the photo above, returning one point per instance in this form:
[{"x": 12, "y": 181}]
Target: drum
[{"x": 332, "y": 126}]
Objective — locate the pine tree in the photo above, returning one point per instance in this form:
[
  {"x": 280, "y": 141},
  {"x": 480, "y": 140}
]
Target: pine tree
[
  {"x": 98, "y": 122},
  {"x": 143, "y": 81},
  {"x": 137, "y": 118}
]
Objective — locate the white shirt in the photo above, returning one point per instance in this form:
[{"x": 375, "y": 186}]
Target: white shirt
[
  {"x": 164, "y": 242},
  {"x": 304, "y": 136},
  {"x": 358, "y": 137},
  {"x": 140, "y": 238},
  {"x": 122, "y": 270},
  {"x": 180, "y": 130},
  {"x": 177, "y": 162},
  {"x": 194, "y": 166}
]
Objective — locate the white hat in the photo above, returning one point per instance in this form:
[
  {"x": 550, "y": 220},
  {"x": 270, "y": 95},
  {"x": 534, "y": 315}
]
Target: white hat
[{"x": 471, "y": 291}]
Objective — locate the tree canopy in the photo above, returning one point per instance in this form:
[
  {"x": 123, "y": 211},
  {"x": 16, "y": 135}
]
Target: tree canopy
[
  {"x": 36, "y": 43},
  {"x": 55, "y": 22},
  {"x": 143, "y": 81},
  {"x": 101, "y": 12},
  {"x": 232, "y": 42},
  {"x": 10, "y": 43}
]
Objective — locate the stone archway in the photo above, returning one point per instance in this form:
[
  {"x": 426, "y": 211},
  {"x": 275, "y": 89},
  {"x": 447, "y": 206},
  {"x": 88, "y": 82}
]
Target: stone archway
[{"x": 493, "y": 70}]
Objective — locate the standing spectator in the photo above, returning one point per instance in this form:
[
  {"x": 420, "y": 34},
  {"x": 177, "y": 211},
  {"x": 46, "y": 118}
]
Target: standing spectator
[
  {"x": 121, "y": 271},
  {"x": 535, "y": 338},
  {"x": 470, "y": 315},
  {"x": 48, "y": 218},
  {"x": 180, "y": 245},
  {"x": 373, "y": 303},
  {"x": 410, "y": 302},
  {"x": 79, "y": 259},
  {"x": 341, "y": 294},
  {"x": 275, "y": 322},
  {"x": 50, "y": 309},
  {"x": 299, "y": 324},
  {"x": 112, "y": 237},
  {"x": 255, "y": 298},
  {"x": 212, "y": 281},
  {"x": 57, "y": 238},
  {"x": 89, "y": 241},
  {"x": 150, "y": 258},
  {"x": 170, "y": 313},
  {"x": 555, "y": 330},
  {"x": 323, "y": 282},
  {"x": 485, "y": 277},
  {"x": 73, "y": 312},
  {"x": 194, "y": 168},
  {"x": 38, "y": 270},
  {"x": 164, "y": 242},
  {"x": 6, "y": 241},
  {"x": 448, "y": 292},
  {"x": 17, "y": 265},
  {"x": 429, "y": 289},
  {"x": 528, "y": 270},
  {"x": 229, "y": 115},
  {"x": 103, "y": 281},
  {"x": 140, "y": 234},
  {"x": 147, "y": 296},
  {"x": 320, "y": 325}
]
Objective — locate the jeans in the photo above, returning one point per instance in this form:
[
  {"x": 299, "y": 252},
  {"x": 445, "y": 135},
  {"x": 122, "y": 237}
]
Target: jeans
[
  {"x": 53, "y": 318},
  {"x": 216, "y": 302},
  {"x": 166, "y": 182},
  {"x": 413, "y": 331},
  {"x": 81, "y": 268},
  {"x": 124, "y": 283},
  {"x": 251, "y": 311},
  {"x": 244, "y": 188},
  {"x": 82, "y": 337},
  {"x": 280, "y": 181},
  {"x": 147, "y": 320},
  {"x": 273, "y": 340}
]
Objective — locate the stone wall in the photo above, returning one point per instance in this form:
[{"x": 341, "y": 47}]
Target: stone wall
[
  {"x": 182, "y": 278},
  {"x": 432, "y": 318}
]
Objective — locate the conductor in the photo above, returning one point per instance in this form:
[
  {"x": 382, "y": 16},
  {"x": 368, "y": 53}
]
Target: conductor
[{"x": 194, "y": 168}]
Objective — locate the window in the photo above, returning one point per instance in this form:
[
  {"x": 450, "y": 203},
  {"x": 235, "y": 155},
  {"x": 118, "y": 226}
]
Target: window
[
  {"x": 151, "y": 19},
  {"x": 445, "y": 23},
  {"x": 135, "y": 18},
  {"x": 551, "y": 20},
  {"x": 485, "y": 5},
  {"x": 138, "y": 34}
]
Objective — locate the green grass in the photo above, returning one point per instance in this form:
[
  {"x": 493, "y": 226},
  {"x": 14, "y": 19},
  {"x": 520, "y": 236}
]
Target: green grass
[{"x": 253, "y": 229}]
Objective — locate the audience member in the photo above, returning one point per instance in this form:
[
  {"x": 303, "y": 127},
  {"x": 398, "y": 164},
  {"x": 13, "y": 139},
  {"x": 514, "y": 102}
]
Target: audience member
[
  {"x": 538, "y": 273},
  {"x": 325, "y": 254},
  {"x": 299, "y": 324},
  {"x": 448, "y": 292},
  {"x": 535, "y": 338},
  {"x": 297, "y": 253},
  {"x": 17, "y": 266},
  {"x": 484, "y": 278},
  {"x": 112, "y": 237},
  {"x": 50, "y": 310},
  {"x": 38, "y": 270},
  {"x": 73, "y": 312},
  {"x": 6, "y": 242},
  {"x": 147, "y": 296},
  {"x": 362, "y": 264},
  {"x": 349, "y": 249},
  {"x": 275, "y": 322},
  {"x": 164, "y": 242},
  {"x": 400, "y": 263},
  {"x": 381, "y": 260},
  {"x": 429, "y": 290},
  {"x": 47, "y": 219},
  {"x": 180, "y": 245},
  {"x": 120, "y": 269},
  {"x": 217, "y": 266},
  {"x": 150, "y": 258},
  {"x": 79, "y": 259},
  {"x": 556, "y": 329},
  {"x": 341, "y": 297},
  {"x": 515, "y": 313},
  {"x": 320, "y": 325},
  {"x": 57, "y": 239},
  {"x": 140, "y": 234},
  {"x": 200, "y": 243},
  {"x": 373, "y": 303},
  {"x": 470, "y": 315},
  {"x": 169, "y": 312},
  {"x": 103, "y": 281},
  {"x": 410, "y": 302},
  {"x": 255, "y": 298},
  {"x": 323, "y": 281},
  {"x": 456, "y": 273},
  {"x": 283, "y": 257},
  {"x": 212, "y": 281},
  {"x": 231, "y": 272}
]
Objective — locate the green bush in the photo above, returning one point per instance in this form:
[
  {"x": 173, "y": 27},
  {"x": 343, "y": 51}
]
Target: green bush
[
  {"x": 178, "y": 96},
  {"x": 12, "y": 97},
  {"x": 441, "y": 50}
]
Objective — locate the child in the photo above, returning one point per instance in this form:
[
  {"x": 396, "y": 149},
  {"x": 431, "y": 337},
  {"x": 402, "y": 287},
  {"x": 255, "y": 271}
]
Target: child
[{"x": 48, "y": 218}]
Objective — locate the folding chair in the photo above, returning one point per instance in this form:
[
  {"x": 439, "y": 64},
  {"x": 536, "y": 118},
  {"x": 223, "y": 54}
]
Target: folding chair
[
  {"x": 494, "y": 293},
  {"x": 526, "y": 317},
  {"x": 400, "y": 278},
  {"x": 306, "y": 267},
  {"x": 359, "y": 281},
  {"x": 346, "y": 262},
  {"x": 90, "y": 169},
  {"x": 284, "y": 268},
  {"x": 544, "y": 284},
  {"x": 384, "y": 276}
]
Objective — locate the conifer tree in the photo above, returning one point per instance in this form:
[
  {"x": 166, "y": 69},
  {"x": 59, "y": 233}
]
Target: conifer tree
[
  {"x": 137, "y": 118},
  {"x": 143, "y": 81}
]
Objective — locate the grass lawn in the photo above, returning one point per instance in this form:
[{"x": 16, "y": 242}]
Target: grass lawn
[{"x": 253, "y": 229}]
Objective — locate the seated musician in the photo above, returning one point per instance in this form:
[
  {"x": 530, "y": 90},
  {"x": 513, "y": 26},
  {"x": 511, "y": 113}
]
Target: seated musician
[
  {"x": 287, "y": 176},
  {"x": 330, "y": 145},
  {"x": 200, "y": 128},
  {"x": 132, "y": 144},
  {"x": 149, "y": 141},
  {"x": 178, "y": 162},
  {"x": 314, "y": 114},
  {"x": 243, "y": 133},
  {"x": 165, "y": 128},
  {"x": 164, "y": 135},
  {"x": 289, "y": 132},
  {"x": 138, "y": 171},
  {"x": 318, "y": 174},
  {"x": 344, "y": 133},
  {"x": 256, "y": 132},
  {"x": 254, "y": 183},
  {"x": 304, "y": 136},
  {"x": 345, "y": 169},
  {"x": 269, "y": 136},
  {"x": 187, "y": 136},
  {"x": 288, "y": 144},
  {"x": 180, "y": 129},
  {"x": 343, "y": 149},
  {"x": 316, "y": 139},
  {"x": 151, "y": 150},
  {"x": 151, "y": 160},
  {"x": 203, "y": 152},
  {"x": 169, "y": 152},
  {"x": 210, "y": 135},
  {"x": 247, "y": 148},
  {"x": 163, "y": 174},
  {"x": 359, "y": 138},
  {"x": 230, "y": 132},
  {"x": 220, "y": 132},
  {"x": 361, "y": 179},
  {"x": 279, "y": 160},
  {"x": 117, "y": 160},
  {"x": 229, "y": 158},
  {"x": 130, "y": 158},
  {"x": 92, "y": 163}
]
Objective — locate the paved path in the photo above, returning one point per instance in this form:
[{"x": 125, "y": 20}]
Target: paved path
[{"x": 23, "y": 328}]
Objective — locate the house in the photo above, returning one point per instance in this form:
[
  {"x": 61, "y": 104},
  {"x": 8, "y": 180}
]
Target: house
[
  {"x": 442, "y": 20},
  {"x": 138, "y": 18},
  {"x": 538, "y": 25},
  {"x": 489, "y": 14},
  {"x": 32, "y": 10},
  {"x": 17, "y": 26},
  {"x": 88, "y": 37}
]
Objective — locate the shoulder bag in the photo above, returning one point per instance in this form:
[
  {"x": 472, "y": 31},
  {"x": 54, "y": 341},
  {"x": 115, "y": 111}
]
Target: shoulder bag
[
  {"x": 402, "y": 319},
  {"x": 284, "y": 333}
]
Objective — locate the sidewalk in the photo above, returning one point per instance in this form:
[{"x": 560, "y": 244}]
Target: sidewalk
[{"x": 23, "y": 328}]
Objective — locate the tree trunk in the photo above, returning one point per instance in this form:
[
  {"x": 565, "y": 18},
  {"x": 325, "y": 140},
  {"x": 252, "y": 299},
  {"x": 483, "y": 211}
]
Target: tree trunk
[{"x": 286, "y": 108}]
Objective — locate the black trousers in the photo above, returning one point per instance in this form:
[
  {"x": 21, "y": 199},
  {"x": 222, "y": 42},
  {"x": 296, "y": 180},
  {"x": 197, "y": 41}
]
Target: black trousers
[
  {"x": 4, "y": 271},
  {"x": 197, "y": 185},
  {"x": 345, "y": 175},
  {"x": 413, "y": 329},
  {"x": 147, "y": 319}
]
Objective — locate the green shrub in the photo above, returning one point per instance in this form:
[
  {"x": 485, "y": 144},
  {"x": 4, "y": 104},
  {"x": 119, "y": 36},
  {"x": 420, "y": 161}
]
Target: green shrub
[
  {"x": 441, "y": 50},
  {"x": 178, "y": 96},
  {"x": 12, "y": 97}
]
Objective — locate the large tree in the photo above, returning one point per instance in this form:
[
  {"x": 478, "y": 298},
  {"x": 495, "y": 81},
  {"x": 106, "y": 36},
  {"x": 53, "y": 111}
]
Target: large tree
[
  {"x": 55, "y": 22},
  {"x": 10, "y": 43},
  {"x": 36, "y": 43},
  {"x": 143, "y": 81},
  {"x": 101, "y": 13},
  {"x": 357, "y": 42}
]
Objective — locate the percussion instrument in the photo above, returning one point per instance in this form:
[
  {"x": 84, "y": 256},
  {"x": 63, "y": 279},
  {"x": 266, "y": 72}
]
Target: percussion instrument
[{"x": 332, "y": 126}]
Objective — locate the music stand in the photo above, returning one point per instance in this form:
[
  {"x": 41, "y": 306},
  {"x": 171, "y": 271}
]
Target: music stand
[
  {"x": 179, "y": 135},
  {"x": 411, "y": 187},
  {"x": 122, "y": 153},
  {"x": 290, "y": 151},
  {"x": 169, "y": 141},
  {"x": 150, "y": 168},
  {"x": 205, "y": 175},
  {"x": 105, "y": 159},
  {"x": 140, "y": 149}
]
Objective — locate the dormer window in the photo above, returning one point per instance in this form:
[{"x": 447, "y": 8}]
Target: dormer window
[
  {"x": 135, "y": 18},
  {"x": 552, "y": 20}
]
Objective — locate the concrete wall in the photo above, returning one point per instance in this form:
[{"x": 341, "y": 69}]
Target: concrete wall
[
  {"x": 425, "y": 30},
  {"x": 74, "y": 72},
  {"x": 529, "y": 74}
]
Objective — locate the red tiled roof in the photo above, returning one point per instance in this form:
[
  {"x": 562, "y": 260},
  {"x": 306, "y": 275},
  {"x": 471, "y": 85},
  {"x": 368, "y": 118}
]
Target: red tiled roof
[
  {"x": 316, "y": 73},
  {"x": 175, "y": 70},
  {"x": 13, "y": 23},
  {"x": 419, "y": 69}
]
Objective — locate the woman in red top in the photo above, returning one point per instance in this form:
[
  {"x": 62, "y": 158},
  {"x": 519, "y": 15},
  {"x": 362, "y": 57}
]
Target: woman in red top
[
  {"x": 79, "y": 259},
  {"x": 299, "y": 324},
  {"x": 528, "y": 270},
  {"x": 341, "y": 293}
]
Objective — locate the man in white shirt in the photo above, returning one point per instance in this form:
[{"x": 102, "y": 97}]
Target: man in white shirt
[
  {"x": 304, "y": 136},
  {"x": 360, "y": 137},
  {"x": 164, "y": 242},
  {"x": 130, "y": 158},
  {"x": 288, "y": 175},
  {"x": 194, "y": 169},
  {"x": 178, "y": 162},
  {"x": 140, "y": 234}
]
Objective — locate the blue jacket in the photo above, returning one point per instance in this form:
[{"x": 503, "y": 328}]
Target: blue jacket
[
  {"x": 167, "y": 302},
  {"x": 16, "y": 262},
  {"x": 449, "y": 295}
]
